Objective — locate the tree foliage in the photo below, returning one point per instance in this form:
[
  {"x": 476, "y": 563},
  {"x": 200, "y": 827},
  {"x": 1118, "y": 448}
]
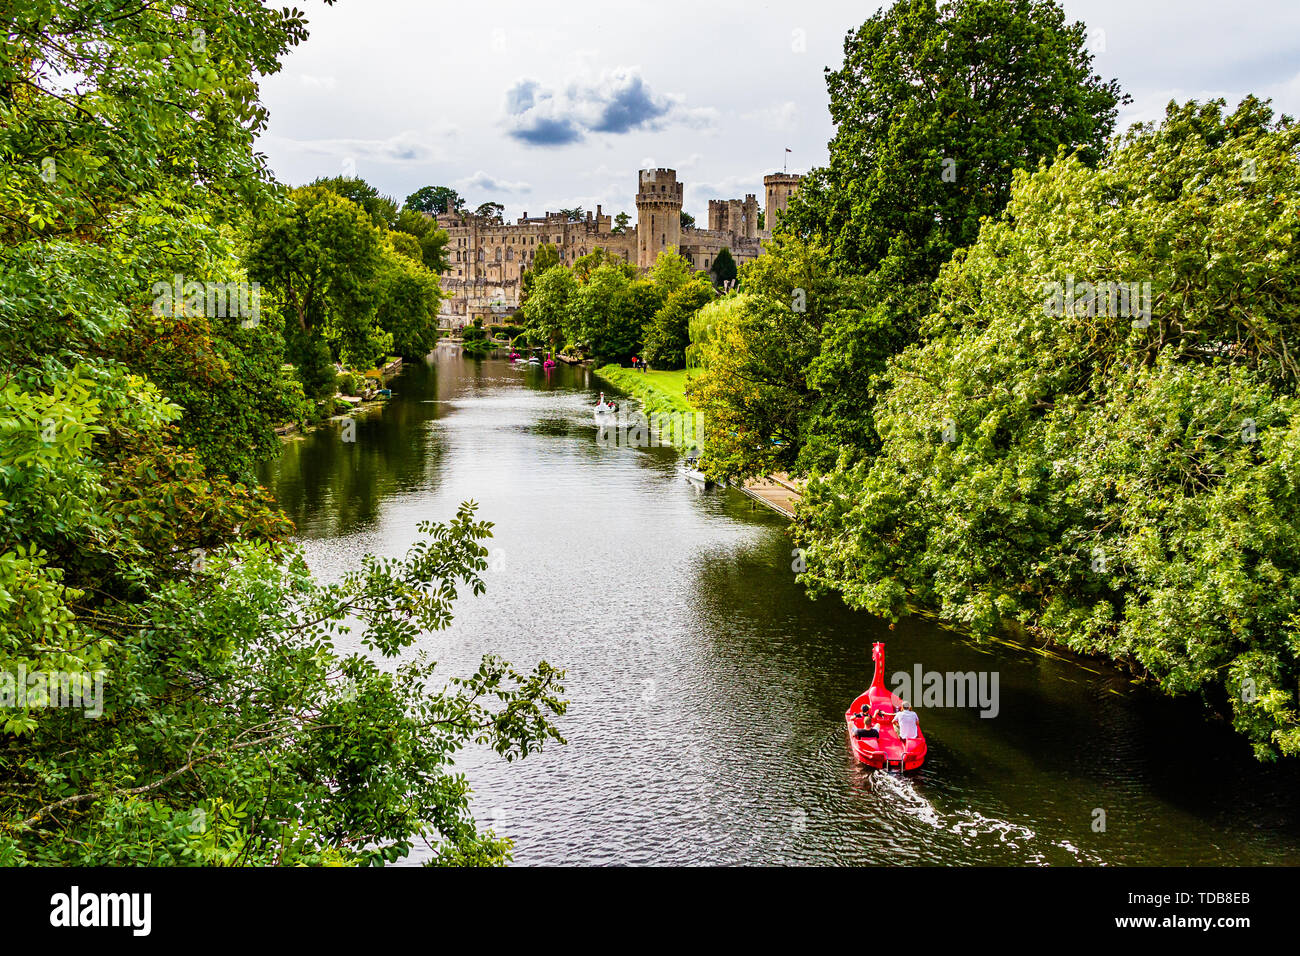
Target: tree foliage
[
  {"x": 667, "y": 332},
  {"x": 435, "y": 200},
  {"x": 760, "y": 368},
  {"x": 382, "y": 210},
  {"x": 934, "y": 108},
  {"x": 346, "y": 282},
  {"x": 232, "y": 730},
  {"x": 724, "y": 267},
  {"x": 1117, "y": 480}
]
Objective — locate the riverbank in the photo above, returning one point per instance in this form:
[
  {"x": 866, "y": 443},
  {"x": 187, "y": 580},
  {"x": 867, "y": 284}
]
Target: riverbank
[
  {"x": 664, "y": 392},
  {"x": 661, "y": 394},
  {"x": 657, "y": 391},
  {"x": 367, "y": 399}
]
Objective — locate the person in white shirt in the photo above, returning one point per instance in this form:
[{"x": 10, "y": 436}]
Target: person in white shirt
[{"x": 907, "y": 724}]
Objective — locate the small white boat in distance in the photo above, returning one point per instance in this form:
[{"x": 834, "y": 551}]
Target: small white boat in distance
[
  {"x": 604, "y": 409},
  {"x": 691, "y": 468}
]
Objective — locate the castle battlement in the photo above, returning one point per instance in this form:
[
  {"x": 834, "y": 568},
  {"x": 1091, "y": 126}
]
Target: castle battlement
[{"x": 488, "y": 258}]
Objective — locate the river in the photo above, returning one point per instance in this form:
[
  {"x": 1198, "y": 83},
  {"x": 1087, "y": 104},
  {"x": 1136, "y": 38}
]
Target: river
[{"x": 707, "y": 691}]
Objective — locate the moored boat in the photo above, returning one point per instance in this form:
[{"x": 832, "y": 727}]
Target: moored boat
[
  {"x": 870, "y": 719},
  {"x": 691, "y": 468}
]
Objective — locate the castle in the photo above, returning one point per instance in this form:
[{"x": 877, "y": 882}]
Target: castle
[{"x": 486, "y": 259}]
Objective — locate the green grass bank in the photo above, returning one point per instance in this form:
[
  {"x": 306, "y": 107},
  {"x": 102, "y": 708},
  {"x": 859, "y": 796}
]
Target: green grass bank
[{"x": 660, "y": 393}]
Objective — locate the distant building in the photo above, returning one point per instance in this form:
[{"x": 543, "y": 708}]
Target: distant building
[{"x": 487, "y": 259}]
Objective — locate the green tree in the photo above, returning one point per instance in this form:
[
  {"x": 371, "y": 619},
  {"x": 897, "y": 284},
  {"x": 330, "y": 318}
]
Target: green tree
[
  {"x": 382, "y": 210},
  {"x": 670, "y": 272},
  {"x": 620, "y": 223},
  {"x": 408, "y": 300},
  {"x": 583, "y": 266},
  {"x": 667, "y": 332},
  {"x": 688, "y": 221},
  {"x": 491, "y": 211},
  {"x": 934, "y": 108},
  {"x": 432, "y": 239},
  {"x": 605, "y": 316},
  {"x": 435, "y": 200},
  {"x": 404, "y": 244},
  {"x": 724, "y": 266},
  {"x": 325, "y": 258},
  {"x": 794, "y": 300},
  {"x": 547, "y": 309},
  {"x": 433, "y": 251}
]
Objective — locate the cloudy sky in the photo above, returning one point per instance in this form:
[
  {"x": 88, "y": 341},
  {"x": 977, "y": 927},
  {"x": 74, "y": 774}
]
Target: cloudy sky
[{"x": 546, "y": 105}]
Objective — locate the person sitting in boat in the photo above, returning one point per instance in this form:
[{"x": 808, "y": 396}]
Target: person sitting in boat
[
  {"x": 866, "y": 730},
  {"x": 906, "y": 723}
]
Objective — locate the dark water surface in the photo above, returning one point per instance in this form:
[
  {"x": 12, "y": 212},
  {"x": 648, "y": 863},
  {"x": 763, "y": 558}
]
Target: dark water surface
[{"x": 707, "y": 690}]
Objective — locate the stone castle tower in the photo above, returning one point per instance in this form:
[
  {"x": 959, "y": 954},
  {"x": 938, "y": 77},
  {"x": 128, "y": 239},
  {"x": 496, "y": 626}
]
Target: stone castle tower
[
  {"x": 779, "y": 188},
  {"x": 732, "y": 215},
  {"x": 658, "y": 215}
]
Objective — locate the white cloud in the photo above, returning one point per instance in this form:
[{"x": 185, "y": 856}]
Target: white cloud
[
  {"x": 614, "y": 102},
  {"x": 484, "y": 183}
]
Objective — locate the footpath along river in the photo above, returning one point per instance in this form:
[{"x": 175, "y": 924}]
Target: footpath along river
[{"x": 706, "y": 723}]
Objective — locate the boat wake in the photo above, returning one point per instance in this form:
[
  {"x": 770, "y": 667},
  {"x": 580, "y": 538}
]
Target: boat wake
[{"x": 973, "y": 828}]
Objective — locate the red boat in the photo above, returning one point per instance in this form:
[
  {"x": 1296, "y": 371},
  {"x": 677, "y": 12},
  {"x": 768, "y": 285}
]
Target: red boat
[{"x": 870, "y": 721}]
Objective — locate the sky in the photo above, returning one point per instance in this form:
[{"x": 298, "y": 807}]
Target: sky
[{"x": 543, "y": 106}]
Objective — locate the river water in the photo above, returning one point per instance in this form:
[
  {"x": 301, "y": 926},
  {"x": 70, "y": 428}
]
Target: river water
[{"x": 707, "y": 691}]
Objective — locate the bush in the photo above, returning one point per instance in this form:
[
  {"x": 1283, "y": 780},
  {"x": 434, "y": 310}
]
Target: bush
[{"x": 667, "y": 333}]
